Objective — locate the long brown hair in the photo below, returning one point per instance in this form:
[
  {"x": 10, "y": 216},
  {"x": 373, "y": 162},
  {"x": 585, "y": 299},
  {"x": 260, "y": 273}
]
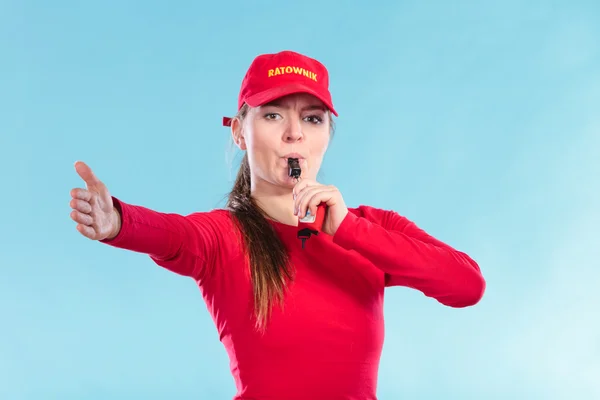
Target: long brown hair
[{"x": 269, "y": 261}]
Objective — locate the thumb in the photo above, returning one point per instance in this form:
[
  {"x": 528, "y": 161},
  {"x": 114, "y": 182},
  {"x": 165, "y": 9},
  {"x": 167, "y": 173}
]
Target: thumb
[{"x": 86, "y": 174}]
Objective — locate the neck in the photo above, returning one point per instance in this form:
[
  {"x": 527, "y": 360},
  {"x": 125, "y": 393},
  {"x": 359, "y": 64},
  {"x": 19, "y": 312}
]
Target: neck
[{"x": 276, "y": 201}]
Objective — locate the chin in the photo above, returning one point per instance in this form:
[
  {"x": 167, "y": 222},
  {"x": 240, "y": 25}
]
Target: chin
[
  {"x": 289, "y": 182},
  {"x": 284, "y": 181}
]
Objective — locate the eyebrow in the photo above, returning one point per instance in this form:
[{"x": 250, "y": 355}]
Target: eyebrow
[{"x": 310, "y": 107}]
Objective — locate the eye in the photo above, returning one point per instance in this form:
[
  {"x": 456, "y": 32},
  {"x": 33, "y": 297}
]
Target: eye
[
  {"x": 271, "y": 116},
  {"x": 314, "y": 119}
]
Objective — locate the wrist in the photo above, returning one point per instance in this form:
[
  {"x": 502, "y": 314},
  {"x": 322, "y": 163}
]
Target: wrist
[{"x": 116, "y": 223}]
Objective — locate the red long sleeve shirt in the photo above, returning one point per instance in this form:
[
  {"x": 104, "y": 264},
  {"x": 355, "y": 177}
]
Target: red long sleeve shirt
[{"x": 326, "y": 342}]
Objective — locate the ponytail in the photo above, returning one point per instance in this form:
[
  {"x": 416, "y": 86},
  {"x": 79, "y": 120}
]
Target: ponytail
[{"x": 268, "y": 258}]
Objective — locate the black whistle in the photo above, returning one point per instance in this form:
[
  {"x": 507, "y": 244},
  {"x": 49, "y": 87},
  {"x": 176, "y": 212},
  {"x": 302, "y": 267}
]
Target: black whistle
[{"x": 295, "y": 170}]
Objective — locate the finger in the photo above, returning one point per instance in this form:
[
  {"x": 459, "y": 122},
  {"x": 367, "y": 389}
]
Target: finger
[
  {"x": 301, "y": 189},
  {"x": 301, "y": 186},
  {"x": 301, "y": 197},
  {"x": 86, "y": 231},
  {"x": 324, "y": 196},
  {"x": 81, "y": 218},
  {"x": 307, "y": 199},
  {"x": 86, "y": 174},
  {"x": 81, "y": 194},
  {"x": 81, "y": 206}
]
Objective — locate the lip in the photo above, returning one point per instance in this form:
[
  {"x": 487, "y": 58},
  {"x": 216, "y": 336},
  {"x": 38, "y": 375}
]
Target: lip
[{"x": 294, "y": 155}]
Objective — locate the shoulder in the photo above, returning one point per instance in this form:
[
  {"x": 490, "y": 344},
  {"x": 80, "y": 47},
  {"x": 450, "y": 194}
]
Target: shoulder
[
  {"x": 218, "y": 231},
  {"x": 380, "y": 216},
  {"x": 219, "y": 220},
  {"x": 216, "y": 215}
]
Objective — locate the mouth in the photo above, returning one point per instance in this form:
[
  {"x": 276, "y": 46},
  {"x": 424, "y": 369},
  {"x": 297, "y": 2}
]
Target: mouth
[{"x": 294, "y": 155}]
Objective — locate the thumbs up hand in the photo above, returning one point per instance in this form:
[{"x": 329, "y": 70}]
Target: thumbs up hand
[{"x": 93, "y": 209}]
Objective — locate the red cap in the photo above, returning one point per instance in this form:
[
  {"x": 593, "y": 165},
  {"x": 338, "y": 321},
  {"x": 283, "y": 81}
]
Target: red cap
[{"x": 271, "y": 76}]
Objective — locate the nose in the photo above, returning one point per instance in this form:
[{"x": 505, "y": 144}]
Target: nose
[{"x": 293, "y": 132}]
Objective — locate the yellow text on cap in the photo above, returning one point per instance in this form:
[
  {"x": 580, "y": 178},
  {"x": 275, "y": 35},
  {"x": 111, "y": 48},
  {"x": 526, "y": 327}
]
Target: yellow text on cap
[{"x": 292, "y": 70}]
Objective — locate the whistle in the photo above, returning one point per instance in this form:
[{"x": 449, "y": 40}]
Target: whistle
[
  {"x": 309, "y": 224},
  {"x": 295, "y": 169}
]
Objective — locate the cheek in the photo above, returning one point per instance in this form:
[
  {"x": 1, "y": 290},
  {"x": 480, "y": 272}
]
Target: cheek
[
  {"x": 253, "y": 137},
  {"x": 260, "y": 143},
  {"x": 320, "y": 144}
]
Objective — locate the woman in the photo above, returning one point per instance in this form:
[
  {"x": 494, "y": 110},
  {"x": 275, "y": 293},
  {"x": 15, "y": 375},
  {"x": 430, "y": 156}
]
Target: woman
[{"x": 298, "y": 320}]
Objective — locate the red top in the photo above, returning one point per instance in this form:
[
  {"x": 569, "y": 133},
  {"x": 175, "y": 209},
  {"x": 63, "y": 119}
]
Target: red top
[{"x": 327, "y": 341}]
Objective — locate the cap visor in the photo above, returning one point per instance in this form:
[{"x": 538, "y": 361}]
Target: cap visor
[{"x": 269, "y": 95}]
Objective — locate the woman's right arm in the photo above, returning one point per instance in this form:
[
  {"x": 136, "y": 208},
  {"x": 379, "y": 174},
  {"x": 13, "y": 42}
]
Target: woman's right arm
[{"x": 182, "y": 244}]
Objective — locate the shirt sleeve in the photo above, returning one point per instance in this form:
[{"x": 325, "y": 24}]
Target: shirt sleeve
[
  {"x": 185, "y": 245},
  {"x": 411, "y": 257}
]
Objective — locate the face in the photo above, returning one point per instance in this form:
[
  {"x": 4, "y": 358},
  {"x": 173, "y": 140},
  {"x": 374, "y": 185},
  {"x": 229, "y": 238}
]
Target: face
[{"x": 295, "y": 126}]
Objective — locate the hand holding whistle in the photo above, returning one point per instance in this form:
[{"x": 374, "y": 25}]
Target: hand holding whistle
[{"x": 320, "y": 208}]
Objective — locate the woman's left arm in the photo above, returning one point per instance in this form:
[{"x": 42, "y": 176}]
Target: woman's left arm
[
  {"x": 411, "y": 257},
  {"x": 405, "y": 253}
]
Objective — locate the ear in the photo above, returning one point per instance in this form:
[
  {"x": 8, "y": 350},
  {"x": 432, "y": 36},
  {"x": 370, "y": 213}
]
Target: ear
[{"x": 237, "y": 133}]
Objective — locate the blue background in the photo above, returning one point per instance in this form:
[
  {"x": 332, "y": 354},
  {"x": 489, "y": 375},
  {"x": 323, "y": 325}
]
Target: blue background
[{"x": 479, "y": 122}]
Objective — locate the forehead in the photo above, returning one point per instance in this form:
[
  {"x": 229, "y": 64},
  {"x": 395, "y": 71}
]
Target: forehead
[{"x": 300, "y": 100}]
